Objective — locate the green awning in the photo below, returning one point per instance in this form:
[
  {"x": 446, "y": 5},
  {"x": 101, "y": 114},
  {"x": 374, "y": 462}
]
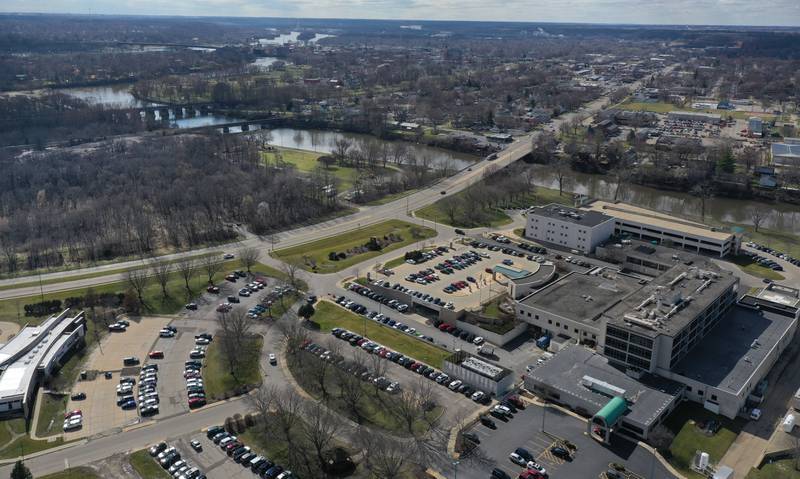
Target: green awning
[{"x": 615, "y": 408}]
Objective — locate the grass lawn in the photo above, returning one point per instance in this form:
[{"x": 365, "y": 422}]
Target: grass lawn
[
  {"x": 782, "y": 469},
  {"x": 689, "y": 438},
  {"x": 390, "y": 197},
  {"x": 217, "y": 376},
  {"x": 492, "y": 217},
  {"x": 306, "y": 162},
  {"x": 749, "y": 266},
  {"x": 78, "y": 473},
  {"x": 27, "y": 446},
  {"x": 316, "y": 252},
  {"x": 330, "y": 316},
  {"x": 146, "y": 466},
  {"x": 52, "y": 408},
  {"x": 374, "y": 410}
]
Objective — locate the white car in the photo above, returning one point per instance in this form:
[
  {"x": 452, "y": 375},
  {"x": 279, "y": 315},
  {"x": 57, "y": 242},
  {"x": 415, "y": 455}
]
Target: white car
[
  {"x": 166, "y": 333},
  {"x": 273, "y": 359},
  {"x": 535, "y": 466},
  {"x": 228, "y": 256},
  {"x": 454, "y": 385},
  {"x": 517, "y": 459},
  {"x": 477, "y": 395},
  {"x": 202, "y": 341},
  {"x": 755, "y": 414},
  {"x": 73, "y": 422},
  {"x": 477, "y": 341}
]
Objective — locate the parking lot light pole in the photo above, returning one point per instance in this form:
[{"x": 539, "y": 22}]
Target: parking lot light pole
[
  {"x": 455, "y": 469},
  {"x": 544, "y": 411}
]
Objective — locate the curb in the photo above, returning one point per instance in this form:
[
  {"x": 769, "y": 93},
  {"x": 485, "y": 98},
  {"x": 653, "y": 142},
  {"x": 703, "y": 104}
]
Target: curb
[{"x": 43, "y": 452}]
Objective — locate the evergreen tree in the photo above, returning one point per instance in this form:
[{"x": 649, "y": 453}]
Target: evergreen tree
[{"x": 21, "y": 471}]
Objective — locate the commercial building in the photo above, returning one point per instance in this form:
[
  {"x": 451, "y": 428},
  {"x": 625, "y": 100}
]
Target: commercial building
[
  {"x": 652, "y": 329},
  {"x": 755, "y": 126},
  {"x": 567, "y": 227},
  {"x": 786, "y": 154},
  {"x": 685, "y": 325},
  {"x": 710, "y": 118},
  {"x": 479, "y": 373},
  {"x": 587, "y": 383},
  {"x": 33, "y": 355},
  {"x": 573, "y": 306},
  {"x": 648, "y": 225},
  {"x": 640, "y": 257}
]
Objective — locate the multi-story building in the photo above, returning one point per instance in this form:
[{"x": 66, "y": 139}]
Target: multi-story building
[
  {"x": 648, "y": 225},
  {"x": 567, "y": 227}
]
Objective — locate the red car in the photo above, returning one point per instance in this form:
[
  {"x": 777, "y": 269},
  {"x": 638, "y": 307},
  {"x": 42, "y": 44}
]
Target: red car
[
  {"x": 212, "y": 289},
  {"x": 76, "y": 412},
  {"x": 156, "y": 355},
  {"x": 196, "y": 402}
]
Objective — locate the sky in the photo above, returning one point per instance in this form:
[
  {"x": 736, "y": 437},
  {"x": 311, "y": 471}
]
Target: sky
[{"x": 694, "y": 12}]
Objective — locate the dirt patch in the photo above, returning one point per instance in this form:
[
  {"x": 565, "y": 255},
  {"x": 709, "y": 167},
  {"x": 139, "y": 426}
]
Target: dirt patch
[{"x": 8, "y": 331}]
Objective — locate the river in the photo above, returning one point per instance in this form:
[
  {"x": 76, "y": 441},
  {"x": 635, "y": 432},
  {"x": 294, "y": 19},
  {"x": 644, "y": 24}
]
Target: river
[{"x": 781, "y": 216}]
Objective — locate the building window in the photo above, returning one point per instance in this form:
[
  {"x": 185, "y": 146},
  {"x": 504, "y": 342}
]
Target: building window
[
  {"x": 549, "y": 321},
  {"x": 713, "y": 397},
  {"x": 699, "y": 393}
]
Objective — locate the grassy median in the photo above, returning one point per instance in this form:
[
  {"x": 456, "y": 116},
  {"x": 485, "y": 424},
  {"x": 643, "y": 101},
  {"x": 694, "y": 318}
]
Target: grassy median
[
  {"x": 76, "y": 473},
  {"x": 314, "y": 256},
  {"x": 146, "y": 466},
  {"x": 330, "y": 316},
  {"x": 219, "y": 382}
]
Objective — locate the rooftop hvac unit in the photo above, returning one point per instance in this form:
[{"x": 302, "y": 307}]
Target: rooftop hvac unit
[{"x": 602, "y": 386}]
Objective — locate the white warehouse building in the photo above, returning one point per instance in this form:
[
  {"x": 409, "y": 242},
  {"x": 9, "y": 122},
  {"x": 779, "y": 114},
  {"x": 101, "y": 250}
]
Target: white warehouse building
[{"x": 567, "y": 227}]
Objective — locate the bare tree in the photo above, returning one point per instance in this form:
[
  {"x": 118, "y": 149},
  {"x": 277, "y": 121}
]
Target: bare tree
[
  {"x": 341, "y": 148},
  {"x": 411, "y": 404},
  {"x": 561, "y": 169},
  {"x": 758, "y": 216},
  {"x": 249, "y": 257},
  {"x": 161, "y": 271},
  {"x": 291, "y": 268},
  {"x": 211, "y": 266},
  {"x": 138, "y": 280},
  {"x": 385, "y": 457},
  {"x": 235, "y": 338},
  {"x": 377, "y": 368},
  {"x": 186, "y": 269},
  {"x": 288, "y": 410},
  {"x": 703, "y": 190},
  {"x": 352, "y": 391},
  {"x": 320, "y": 426}
]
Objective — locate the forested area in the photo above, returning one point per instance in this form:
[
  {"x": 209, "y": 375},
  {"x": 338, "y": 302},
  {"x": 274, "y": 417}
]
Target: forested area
[{"x": 140, "y": 196}]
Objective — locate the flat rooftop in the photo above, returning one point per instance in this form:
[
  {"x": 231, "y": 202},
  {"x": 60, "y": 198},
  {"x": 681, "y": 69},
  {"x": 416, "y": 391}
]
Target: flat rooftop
[
  {"x": 668, "y": 303},
  {"x": 730, "y": 353},
  {"x": 581, "y": 296},
  {"x": 783, "y": 295},
  {"x": 647, "y": 397},
  {"x": 786, "y": 150},
  {"x": 636, "y": 214},
  {"x": 570, "y": 215}
]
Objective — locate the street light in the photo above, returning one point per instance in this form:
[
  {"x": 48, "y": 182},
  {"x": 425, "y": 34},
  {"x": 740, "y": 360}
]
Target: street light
[{"x": 455, "y": 469}]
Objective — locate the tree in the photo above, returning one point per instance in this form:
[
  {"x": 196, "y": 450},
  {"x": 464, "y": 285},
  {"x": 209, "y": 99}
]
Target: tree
[
  {"x": 561, "y": 169},
  {"x": 703, "y": 190},
  {"x": 235, "y": 338},
  {"x": 726, "y": 162},
  {"x": 211, "y": 266},
  {"x": 249, "y": 257},
  {"x": 341, "y": 148},
  {"x": 450, "y": 206},
  {"x": 305, "y": 311},
  {"x": 138, "y": 280},
  {"x": 186, "y": 269},
  {"x": 320, "y": 426},
  {"x": 161, "y": 271},
  {"x": 21, "y": 471},
  {"x": 758, "y": 216},
  {"x": 290, "y": 268}
]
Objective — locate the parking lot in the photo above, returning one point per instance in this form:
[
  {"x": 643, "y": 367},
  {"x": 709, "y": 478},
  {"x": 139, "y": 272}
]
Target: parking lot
[
  {"x": 100, "y": 410},
  {"x": 589, "y": 460},
  {"x": 476, "y": 284}
]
